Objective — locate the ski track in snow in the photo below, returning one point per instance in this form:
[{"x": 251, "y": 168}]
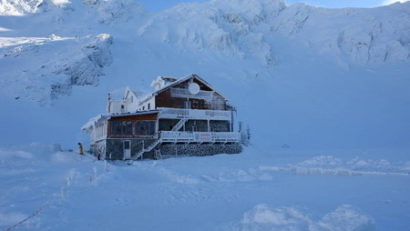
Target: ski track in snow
[{"x": 173, "y": 182}]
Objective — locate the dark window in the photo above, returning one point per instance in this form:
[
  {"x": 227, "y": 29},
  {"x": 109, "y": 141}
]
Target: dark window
[
  {"x": 219, "y": 125},
  {"x": 196, "y": 125},
  {"x": 149, "y": 106},
  {"x": 167, "y": 124},
  {"x": 187, "y": 104},
  {"x": 145, "y": 128},
  {"x": 126, "y": 145},
  {"x": 121, "y": 128},
  {"x": 198, "y": 104}
]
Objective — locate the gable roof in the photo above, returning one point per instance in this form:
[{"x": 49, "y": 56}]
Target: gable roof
[
  {"x": 181, "y": 80},
  {"x": 129, "y": 90}
]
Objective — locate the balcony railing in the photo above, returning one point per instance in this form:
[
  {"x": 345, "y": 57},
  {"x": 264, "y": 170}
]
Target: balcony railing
[
  {"x": 184, "y": 93},
  {"x": 177, "y": 113},
  {"x": 200, "y": 137}
]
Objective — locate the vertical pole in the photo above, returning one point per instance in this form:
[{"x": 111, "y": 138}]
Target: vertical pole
[{"x": 231, "y": 125}]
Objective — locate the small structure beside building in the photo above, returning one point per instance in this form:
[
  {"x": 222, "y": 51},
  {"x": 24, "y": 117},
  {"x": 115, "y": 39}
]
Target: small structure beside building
[{"x": 185, "y": 116}]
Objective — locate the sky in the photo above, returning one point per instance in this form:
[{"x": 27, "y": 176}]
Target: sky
[{"x": 157, "y": 5}]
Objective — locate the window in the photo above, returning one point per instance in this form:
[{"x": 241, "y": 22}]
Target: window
[
  {"x": 127, "y": 144},
  {"x": 145, "y": 128},
  {"x": 198, "y": 104},
  {"x": 196, "y": 125},
  {"x": 143, "y": 107},
  {"x": 167, "y": 124},
  {"x": 149, "y": 106},
  {"x": 187, "y": 104},
  {"x": 121, "y": 128},
  {"x": 220, "y": 125}
]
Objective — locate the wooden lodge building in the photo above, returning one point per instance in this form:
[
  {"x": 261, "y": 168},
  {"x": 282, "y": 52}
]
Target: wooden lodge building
[{"x": 185, "y": 116}]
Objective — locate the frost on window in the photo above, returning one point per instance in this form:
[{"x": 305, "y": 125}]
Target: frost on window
[
  {"x": 121, "y": 128},
  {"x": 196, "y": 125},
  {"x": 167, "y": 124},
  {"x": 219, "y": 125},
  {"x": 144, "y": 128}
]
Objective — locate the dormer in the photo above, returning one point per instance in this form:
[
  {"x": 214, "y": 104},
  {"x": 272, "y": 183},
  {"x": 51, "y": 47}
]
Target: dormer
[
  {"x": 129, "y": 103},
  {"x": 162, "y": 82}
]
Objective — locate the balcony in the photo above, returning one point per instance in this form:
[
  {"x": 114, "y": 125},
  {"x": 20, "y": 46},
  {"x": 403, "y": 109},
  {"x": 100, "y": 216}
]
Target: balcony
[
  {"x": 176, "y": 113},
  {"x": 199, "y": 137},
  {"x": 184, "y": 93}
]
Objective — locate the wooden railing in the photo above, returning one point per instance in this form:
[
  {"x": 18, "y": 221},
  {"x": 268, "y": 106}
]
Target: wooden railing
[
  {"x": 184, "y": 93},
  {"x": 178, "y": 113}
]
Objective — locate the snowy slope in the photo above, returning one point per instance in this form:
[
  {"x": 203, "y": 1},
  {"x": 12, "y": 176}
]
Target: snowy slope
[
  {"x": 246, "y": 29},
  {"x": 293, "y": 191},
  {"x": 249, "y": 27}
]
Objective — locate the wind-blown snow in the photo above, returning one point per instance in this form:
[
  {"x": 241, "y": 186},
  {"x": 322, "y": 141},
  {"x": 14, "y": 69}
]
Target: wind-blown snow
[{"x": 59, "y": 190}]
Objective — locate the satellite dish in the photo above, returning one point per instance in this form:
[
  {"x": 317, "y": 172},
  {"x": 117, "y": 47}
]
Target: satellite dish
[{"x": 193, "y": 88}]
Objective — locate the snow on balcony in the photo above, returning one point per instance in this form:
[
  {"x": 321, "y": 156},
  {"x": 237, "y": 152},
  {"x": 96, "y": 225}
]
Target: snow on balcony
[
  {"x": 177, "y": 113},
  {"x": 184, "y": 93}
]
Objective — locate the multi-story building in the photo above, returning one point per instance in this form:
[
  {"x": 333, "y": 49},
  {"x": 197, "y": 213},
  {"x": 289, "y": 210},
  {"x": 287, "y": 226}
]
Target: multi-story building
[{"x": 185, "y": 116}]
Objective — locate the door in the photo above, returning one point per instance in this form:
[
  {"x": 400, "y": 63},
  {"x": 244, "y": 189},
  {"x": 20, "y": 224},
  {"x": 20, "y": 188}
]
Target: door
[{"x": 127, "y": 149}]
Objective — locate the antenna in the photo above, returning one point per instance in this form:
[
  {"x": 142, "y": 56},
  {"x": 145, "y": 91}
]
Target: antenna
[{"x": 193, "y": 88}]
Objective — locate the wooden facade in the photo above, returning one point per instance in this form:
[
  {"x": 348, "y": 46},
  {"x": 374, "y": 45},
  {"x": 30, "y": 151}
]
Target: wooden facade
[{"x": 174, "y": 119}]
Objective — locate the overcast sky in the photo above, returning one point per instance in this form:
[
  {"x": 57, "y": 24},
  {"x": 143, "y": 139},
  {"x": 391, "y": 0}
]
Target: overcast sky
[{"x": 156, "y": 5}]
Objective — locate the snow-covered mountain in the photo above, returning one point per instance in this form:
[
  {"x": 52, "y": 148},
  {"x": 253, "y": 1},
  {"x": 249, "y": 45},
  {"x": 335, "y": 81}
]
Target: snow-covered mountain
[
  {"x": 249, "y": 28},
  {"x": 246, "y": 29},
  {"x": 317, "y": 68}
]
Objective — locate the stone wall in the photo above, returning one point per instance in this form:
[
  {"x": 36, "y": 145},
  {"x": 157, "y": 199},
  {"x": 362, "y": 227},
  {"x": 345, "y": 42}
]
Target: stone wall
[{"x": 198, "y": 149}]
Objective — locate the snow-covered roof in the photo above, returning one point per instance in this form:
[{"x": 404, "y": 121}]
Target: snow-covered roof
[
  {"x": 91, "y": 122},
  {"x": 101, "y": 117},
  {"x": 178, "y": 81},
  {"x": 133, "y": 114}
]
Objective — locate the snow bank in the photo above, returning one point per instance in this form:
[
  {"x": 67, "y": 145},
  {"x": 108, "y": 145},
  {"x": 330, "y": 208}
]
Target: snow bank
[
  {"x": 344, "y": 218},
  {"x": 7, "y": 154},
  {"x": 8, "y": 220},
  {"x": 356, "y": 164}
]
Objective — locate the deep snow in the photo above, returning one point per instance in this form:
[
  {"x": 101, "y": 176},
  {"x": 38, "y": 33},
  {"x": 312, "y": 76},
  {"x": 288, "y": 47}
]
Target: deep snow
[{"x": 255, "y": 190}]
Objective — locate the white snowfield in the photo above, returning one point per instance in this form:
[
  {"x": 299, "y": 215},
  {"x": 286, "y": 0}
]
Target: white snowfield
[{"x": 44, "y": 189}]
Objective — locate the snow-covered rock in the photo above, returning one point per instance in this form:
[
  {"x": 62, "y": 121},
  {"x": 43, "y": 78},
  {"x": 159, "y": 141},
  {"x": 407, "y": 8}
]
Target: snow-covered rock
[
  {"x": 86, "y": 69},
  {"x": 32, "y": 73},
  {"x": 19, "y": 7}
]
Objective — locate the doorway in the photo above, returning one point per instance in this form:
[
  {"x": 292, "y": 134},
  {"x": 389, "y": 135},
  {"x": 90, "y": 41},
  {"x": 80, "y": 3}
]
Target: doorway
[{"x": 127, "y": 149}]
